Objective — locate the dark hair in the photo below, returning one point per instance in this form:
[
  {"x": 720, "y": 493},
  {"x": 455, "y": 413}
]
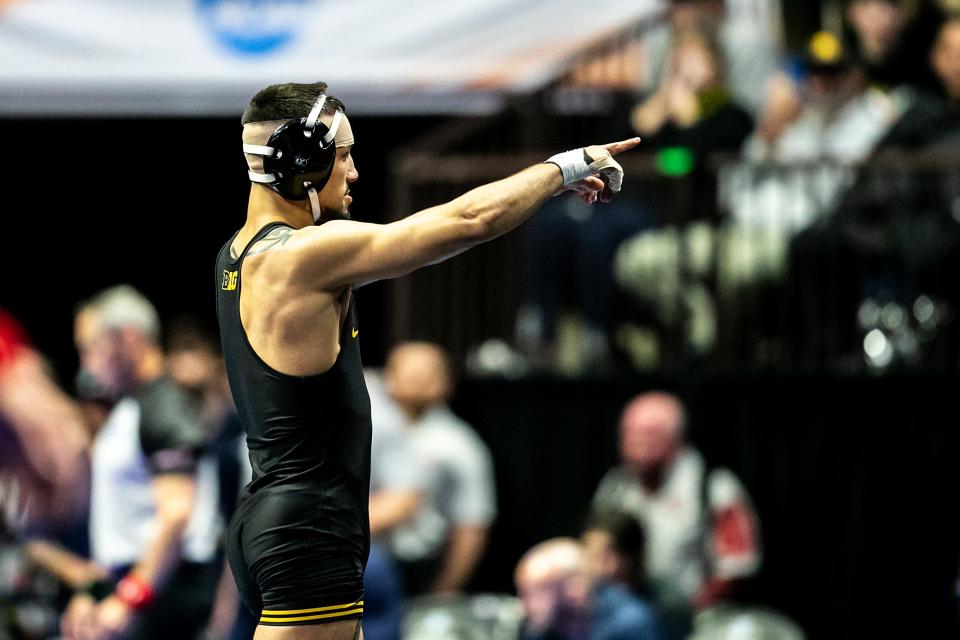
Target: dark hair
[
  {"x": 625, "y": 532},
  {"x": 287, "y": 101}
]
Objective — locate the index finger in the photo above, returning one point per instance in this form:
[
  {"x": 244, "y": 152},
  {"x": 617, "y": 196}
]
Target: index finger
[{"x": 624, "y": 145}]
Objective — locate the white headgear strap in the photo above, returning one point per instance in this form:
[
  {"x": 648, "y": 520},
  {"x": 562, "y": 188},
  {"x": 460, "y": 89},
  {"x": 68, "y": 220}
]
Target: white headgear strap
[{"x": 255, "y": 137}]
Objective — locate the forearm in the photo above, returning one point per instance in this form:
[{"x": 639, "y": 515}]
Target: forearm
[
  {"x": 501, "y": 206},
  {"x": 390, "y": 508},
  {"x": 69, "y": 568},
  {"x": 174, "y": 494},
  {"x": 343, "y": 253},
  {"x": 464, "y": 551},
  {"x": 163, "y": 554}
]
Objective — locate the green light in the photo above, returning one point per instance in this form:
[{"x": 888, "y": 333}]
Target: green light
[{"x": 675, "y": 161}]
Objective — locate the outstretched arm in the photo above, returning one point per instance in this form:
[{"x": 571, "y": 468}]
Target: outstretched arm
[{"x": 343, "y": 252}]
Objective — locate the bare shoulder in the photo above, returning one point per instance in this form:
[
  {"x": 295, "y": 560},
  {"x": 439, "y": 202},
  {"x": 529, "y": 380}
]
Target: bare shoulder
[
  {"x": 276, "y": 238},
  {"x": 302, "y": 259}
]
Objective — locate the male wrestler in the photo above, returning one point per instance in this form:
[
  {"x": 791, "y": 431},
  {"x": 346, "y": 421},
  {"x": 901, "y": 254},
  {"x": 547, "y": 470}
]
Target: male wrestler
[{"x": 299, "y": 540}]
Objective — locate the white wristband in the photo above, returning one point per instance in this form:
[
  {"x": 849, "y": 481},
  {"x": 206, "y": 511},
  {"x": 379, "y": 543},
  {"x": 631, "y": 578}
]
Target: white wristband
[{"x": 576, "y": 165}]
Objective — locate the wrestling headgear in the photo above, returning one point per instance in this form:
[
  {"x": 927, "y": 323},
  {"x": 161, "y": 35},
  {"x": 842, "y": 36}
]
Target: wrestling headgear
[{"x": 298, "y": 157}]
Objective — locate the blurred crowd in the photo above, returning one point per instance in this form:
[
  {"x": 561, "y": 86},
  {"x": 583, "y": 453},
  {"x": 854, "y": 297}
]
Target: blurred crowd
[
  {"x": 114, "y": 501},
  {"x": 796, "y": 196},
  {"x": 114, "y": 498},
  {"x": 803, "y": 210}
]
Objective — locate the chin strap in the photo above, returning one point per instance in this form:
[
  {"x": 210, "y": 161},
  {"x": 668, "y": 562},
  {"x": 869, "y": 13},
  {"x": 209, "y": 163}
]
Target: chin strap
[{"x": 314, "y": 200}]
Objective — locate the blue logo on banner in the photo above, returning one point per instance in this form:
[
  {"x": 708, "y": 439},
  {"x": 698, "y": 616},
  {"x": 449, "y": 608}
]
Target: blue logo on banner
[{"x": 253, "y": 27}]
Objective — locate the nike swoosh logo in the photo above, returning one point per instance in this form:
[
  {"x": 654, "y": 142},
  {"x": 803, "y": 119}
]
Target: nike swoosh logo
[{"x": 355, "y": 332}]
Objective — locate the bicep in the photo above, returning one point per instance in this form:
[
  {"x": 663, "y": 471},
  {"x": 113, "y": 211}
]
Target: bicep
[{"x": 344, "y": 252}]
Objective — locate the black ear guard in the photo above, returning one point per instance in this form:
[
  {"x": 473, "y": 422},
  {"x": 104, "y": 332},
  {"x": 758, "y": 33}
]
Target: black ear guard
[{"x": 300, "y": 151}]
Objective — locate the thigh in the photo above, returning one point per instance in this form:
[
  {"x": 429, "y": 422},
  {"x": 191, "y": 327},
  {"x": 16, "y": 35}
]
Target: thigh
[{"x": 340, "y": 630}]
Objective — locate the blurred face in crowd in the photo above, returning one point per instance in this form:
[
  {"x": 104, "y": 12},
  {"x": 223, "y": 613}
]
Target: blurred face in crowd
[
  {"x": 107, "y": 354},
  {"x": 946, "y": 57},
  {"x": 418, "y": 377},
  {"x": 540, "y": 593},
  {"x": 694, "y": 64},
  {"x": 599, "y": 556},
  {"x": 194, "y": 369},
  {"x": 877, "y": 24},
  {"x": 650, "y": 431},
  {"x": 554, "y": 586}
]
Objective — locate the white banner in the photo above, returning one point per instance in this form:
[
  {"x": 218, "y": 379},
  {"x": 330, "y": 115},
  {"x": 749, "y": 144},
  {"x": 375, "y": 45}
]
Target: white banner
[{"x": 208, "y": 57}]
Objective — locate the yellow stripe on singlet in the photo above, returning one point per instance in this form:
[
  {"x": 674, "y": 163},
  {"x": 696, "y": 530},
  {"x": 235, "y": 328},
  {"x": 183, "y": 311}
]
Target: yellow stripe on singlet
[
  {"x": 288, "y": 612},
  {"x": 319, "y": 616}
]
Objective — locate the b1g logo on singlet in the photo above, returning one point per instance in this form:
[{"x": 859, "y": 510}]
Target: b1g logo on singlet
[
  {"x": 254, "y": 27},
  {"x": 229, "y": 280}
]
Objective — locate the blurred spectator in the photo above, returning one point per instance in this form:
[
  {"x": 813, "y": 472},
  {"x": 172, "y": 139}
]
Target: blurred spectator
[
  {"x": 43, "y": 469},
  {"x": 839, "y": 121},
  {"x": 838, "y": 118},
  {"x": 933, "y": 120},
  {"x": 43, "y": 487},
  {"x": 945, "y": 58},
  {"x": 747, "y": 41},
  {"x": 396, "y": 494},
  {"x": 154, "y": 522},
  {"x": 613, "y": 546},
  {"x": 701, "y": 532},
  {"x": 692, "y": 107},
  {"x": 798, "y": 166},
  {"x": 194, "y": 362},
  {"x": 890, "y": 40},
  {"x": 563, "y": 600},
  {"x": 440, "y": 547},
  {"x": 572, "y": 246},
  {"x": 886, "y": 303},
  {"x": 397, "y": 482},
  {"x": 691, "y": 118}
]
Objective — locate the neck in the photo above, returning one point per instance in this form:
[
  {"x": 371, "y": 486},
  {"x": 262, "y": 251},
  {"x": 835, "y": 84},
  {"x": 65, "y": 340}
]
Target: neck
[
  {"x": 652, "y": 476},
  {"x": 415, "y": 412},
  {"x": 266, "y": 205}
]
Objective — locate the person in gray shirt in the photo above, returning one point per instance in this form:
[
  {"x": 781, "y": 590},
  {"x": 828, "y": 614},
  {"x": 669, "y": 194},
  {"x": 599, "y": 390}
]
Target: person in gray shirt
[{"x": 439, "y": 547}]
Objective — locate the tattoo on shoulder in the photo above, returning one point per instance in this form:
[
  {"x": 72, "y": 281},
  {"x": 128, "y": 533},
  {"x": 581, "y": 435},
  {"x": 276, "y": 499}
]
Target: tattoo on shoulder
[{"x": 276, "y": 238}]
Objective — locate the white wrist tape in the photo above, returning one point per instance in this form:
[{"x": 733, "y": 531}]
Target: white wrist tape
[{"x": 576, "y": 165}]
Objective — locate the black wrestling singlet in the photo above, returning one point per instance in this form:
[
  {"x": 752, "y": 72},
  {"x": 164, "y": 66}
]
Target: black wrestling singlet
[{"x": 306, "y": 506}]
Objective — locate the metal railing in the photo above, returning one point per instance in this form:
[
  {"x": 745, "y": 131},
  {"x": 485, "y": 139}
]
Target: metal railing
[{"x": 813, "y": 266}]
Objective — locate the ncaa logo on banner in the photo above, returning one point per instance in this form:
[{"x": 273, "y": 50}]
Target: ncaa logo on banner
[{"x": 254, "y": 27}]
